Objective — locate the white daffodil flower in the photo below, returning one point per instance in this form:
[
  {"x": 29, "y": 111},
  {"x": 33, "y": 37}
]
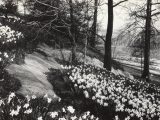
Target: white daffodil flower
[{"x": 71, "y": 109}]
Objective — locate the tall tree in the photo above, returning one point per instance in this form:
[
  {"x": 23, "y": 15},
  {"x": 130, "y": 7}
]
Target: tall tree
[
  {"x": 147, "y": 16},
  {"x": 94, "y": 25},
  {"x": 147, "y": 41},
  {"x": 72, "y": 31},
  {"x": 107, "y": 56},
  {"x": 108, "y": 41}
]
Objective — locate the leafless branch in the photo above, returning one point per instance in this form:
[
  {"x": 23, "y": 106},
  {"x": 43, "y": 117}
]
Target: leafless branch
[
  {"x": 157, "y": 13},
  {"x": 46, "y": 4},
  {"x": 138, "y": 15},
  {"x": 158, "y": 3},
  {"x": 44, "y": 27},
  {"x": 119, "y": 3},
  {"x": 100, "y": 37}
]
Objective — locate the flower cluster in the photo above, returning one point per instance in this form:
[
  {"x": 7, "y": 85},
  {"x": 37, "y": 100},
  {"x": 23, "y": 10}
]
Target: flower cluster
[
  {"x": 7, "y": 35},
  {"x": 134, "y": 98},
  {"x": 14, "y": 107},
  {"x": 68, "y": 113},
  {"x": 6, "y": 57},
  {"x": 8, "y": 40}
]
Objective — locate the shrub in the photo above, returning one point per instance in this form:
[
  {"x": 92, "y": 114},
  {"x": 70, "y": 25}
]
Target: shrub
[{"x": 8, "y": 83}]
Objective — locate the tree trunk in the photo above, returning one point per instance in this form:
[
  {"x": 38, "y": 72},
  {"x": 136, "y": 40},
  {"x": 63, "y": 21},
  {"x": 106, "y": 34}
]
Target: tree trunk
[
  {"x": 94, "y": 26},
  {"x": 145, "y": 74},
  {"x": 107, "y": 56},
  {"x": 72, "y": 32}
]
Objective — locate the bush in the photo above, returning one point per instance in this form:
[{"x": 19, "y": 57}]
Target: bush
[
  {"x": 61, "y": 83},
  {"x": 11, "y": 84},
  {"x": 8, "y": 84}
]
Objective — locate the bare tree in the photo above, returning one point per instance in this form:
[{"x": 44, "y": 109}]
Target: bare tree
[
  {"x": 107, "y": 56},
  {"x": 147, "y": 41},
  {"x": 72, "y": 31},
  {"x": 108, "y": 41},
  {"x": 94, "y": 25},
  {"x": 147, "y": 16}
]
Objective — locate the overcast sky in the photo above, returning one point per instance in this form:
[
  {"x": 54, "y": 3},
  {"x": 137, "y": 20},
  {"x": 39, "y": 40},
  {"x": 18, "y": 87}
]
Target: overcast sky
[{"x": 121, "y": 14}]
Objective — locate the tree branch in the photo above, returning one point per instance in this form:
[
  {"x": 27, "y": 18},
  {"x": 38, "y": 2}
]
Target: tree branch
[
  {"x": 46, "y": 5},
  {"x": 138, "y": 16},
  {"x": 119, "y": 3},
  {"x": 101, "y": 37},
  {"x": 29, "y": 18},
  {"x": 157, "y": 13},
  {"x": 156, "y": 3}
]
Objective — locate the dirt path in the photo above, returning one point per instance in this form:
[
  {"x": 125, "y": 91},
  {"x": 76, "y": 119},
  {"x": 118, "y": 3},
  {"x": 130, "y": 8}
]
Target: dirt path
[{"x": 136, "y": 71}]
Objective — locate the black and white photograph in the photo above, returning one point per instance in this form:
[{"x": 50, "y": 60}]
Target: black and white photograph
[{"x": 79, "y": 59}]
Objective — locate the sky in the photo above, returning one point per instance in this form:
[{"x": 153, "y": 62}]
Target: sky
[{"x": 121, "y": 14}]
